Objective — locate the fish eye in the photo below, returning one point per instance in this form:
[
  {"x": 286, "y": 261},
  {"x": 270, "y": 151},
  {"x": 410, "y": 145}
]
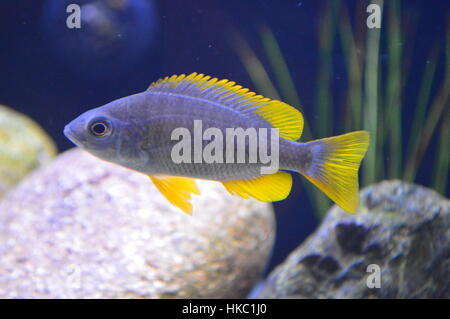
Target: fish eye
[{"x": 100, "y": 128}]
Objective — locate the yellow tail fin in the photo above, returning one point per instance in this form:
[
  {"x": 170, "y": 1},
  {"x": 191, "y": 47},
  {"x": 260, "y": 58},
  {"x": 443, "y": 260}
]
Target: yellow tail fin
[{"x": 334, "y": 167}]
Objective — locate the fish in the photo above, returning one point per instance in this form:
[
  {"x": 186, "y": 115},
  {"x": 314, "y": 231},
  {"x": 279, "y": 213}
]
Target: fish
[{"x": 149, "y": 132}]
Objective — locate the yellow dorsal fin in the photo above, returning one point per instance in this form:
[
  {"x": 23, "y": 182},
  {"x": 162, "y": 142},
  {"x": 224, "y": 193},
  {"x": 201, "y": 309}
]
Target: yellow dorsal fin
[
  {"x": 284, "y": 117},
  {"x": 177, "y": 190},
  {"x": 287, "y": 119},
  {"x": 266, "y": 188}
]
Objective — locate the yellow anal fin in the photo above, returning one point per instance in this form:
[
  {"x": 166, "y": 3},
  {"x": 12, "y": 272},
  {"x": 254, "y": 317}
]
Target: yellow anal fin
[
  {"x": 266, "y": 188},
  {"x": 177, "y": 190}
]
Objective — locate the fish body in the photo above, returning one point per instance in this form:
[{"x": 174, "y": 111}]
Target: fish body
[{"x": 140, "y": 132}]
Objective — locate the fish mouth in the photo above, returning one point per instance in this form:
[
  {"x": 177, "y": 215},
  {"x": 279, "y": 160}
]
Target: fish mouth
[{"x": 68, "y": 132}]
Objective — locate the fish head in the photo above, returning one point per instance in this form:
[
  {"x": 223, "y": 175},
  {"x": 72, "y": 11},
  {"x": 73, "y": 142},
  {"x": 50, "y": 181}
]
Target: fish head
[{"x": 108, "y": 136}]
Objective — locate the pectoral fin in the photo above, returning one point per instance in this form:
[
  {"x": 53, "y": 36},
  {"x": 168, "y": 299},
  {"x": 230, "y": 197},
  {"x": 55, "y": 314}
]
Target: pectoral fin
[
  {"x": 266, "y": 188},
  {"x": 177, "y": 190}
]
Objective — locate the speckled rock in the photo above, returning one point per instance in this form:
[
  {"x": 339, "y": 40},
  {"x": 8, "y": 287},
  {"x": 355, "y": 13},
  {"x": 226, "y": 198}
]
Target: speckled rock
[
  {"x": 81, "y": 227},
  {"x": 403, "y": 229},
  {"x": 24, "y": 146}
]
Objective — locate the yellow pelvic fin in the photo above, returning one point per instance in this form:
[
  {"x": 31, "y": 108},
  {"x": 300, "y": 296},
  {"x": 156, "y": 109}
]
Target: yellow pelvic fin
[
  {"x": 266, "y": 188},
  {"x": 177, "y": 190},
  {"x": 286, "y": 118},
  {"x": 334, "y": 167}
]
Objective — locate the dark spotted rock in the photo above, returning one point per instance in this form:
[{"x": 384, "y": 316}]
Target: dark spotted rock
[{"x": 402, "y": 228}]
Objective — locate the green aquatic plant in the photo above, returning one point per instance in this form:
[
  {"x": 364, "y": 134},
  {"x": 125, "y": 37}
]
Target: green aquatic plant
[
  {"x": 374, "y": 95},
  {"x": 371, "y": 101}
]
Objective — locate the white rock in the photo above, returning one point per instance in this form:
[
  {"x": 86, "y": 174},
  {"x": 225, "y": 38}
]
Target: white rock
[{"x": 84, "y": 228}]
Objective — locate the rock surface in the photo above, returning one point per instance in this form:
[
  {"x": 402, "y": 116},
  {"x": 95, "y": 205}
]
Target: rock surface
[
  {"x": 84, "y": 228},
  {"x": 404, "y": 229},
  {"x": 24, "y": 146}
]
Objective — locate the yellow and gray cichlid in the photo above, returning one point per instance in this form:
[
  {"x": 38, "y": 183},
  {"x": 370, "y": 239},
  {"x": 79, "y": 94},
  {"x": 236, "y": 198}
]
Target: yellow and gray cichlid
[{"x": 138, "y": 132}]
